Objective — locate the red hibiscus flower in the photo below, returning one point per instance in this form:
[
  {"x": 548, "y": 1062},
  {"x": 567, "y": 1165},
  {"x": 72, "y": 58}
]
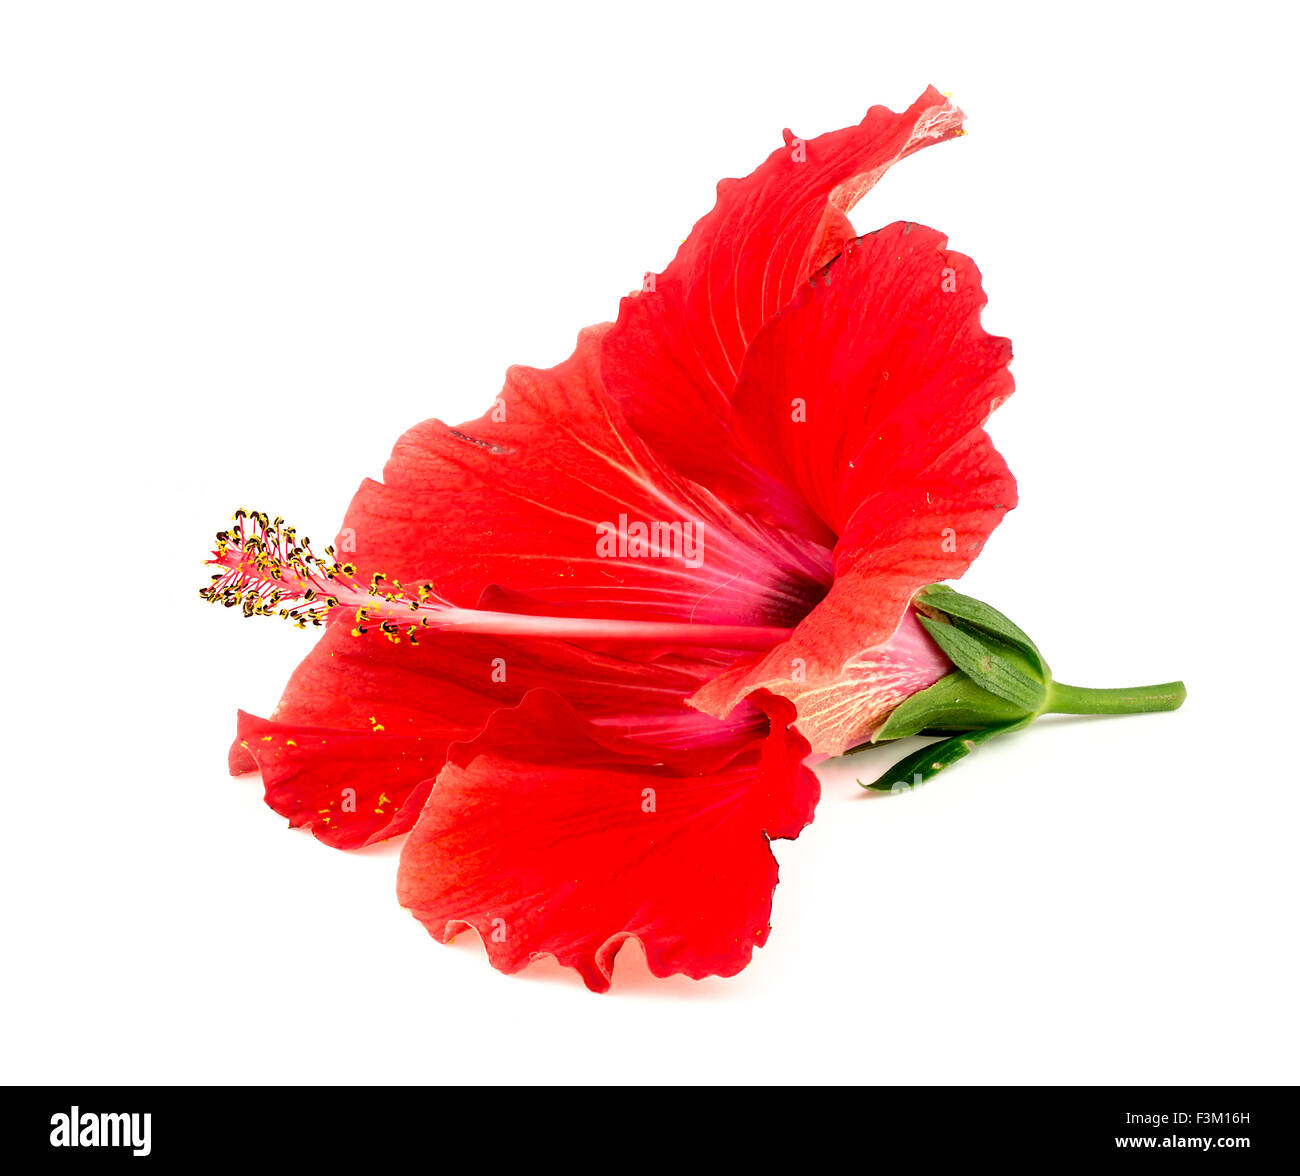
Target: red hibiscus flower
[{"x": 582, "y": 647}]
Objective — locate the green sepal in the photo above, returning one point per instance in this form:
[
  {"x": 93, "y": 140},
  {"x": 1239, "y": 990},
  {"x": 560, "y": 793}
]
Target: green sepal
[
  {"x": 1001, "y": 683},
  {"x": 932, "y": 759},
  {"x": 983, "y": 617},
  {"x": 984, "y": 659},
  {"x": 954, "y": 703}
]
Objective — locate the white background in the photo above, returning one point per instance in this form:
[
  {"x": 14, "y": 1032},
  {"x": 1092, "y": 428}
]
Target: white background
[{"x": 246, "y": 245}]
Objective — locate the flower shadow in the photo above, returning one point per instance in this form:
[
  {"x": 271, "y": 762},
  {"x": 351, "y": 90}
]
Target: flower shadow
[{"x": 631, "y": 974}]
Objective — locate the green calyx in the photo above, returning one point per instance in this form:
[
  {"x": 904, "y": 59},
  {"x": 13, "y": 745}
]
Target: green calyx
[{"x": 1000, "y": 683}]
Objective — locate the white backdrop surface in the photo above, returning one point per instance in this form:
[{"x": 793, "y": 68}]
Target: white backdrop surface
[{"x": 244, "y": 246}]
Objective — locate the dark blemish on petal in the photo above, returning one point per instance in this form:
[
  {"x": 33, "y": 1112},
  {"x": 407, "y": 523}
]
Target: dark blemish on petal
[{"x": 490, "y": 446}]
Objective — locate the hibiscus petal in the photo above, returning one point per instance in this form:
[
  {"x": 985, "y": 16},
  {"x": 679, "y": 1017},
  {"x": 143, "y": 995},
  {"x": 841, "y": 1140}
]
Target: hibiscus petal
[
  {"x": 900, "y": 539},
  {"x": 364, "y": 724},
  {"x": 866, "y": 395},
  {"x": 844, "y": 711},
  {"x": 547, "y": 843},
  {"x": 874, "y": 370},
  {"x": 522, "y": 498},
  {"x": 673, "y": 358},
  {"x": 346, "y": 786}
]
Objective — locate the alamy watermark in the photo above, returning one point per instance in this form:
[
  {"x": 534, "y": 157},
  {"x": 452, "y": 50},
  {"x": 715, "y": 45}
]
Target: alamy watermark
[
  {"x": 78, "y": 1128},
  {"x": 658, "y": 540}
]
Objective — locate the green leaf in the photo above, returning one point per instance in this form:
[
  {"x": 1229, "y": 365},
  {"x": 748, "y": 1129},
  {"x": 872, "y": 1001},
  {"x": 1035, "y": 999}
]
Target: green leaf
[
  {"x": 989, "y": 669},
  {"x": 983, "y": 617},
  {"x": 929, "y": 761},
  {"x": 954, "y": 703}
]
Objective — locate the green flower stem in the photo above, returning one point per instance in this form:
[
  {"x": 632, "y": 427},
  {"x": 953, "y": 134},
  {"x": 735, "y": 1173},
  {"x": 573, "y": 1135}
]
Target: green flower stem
[
  {"x": 999, "y": 683},
  {"x": 1079, "y": 700}
]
